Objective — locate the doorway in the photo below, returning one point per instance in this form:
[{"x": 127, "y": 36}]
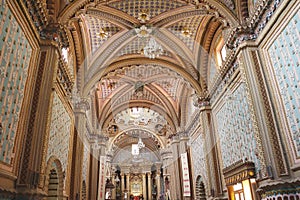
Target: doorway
[{"x": 200, "y": 189}]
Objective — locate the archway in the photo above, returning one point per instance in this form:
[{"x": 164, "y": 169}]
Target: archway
[
  {"x": 54, "y": 179},
  {"x": 53, "y": 185},
  {"x": 200, "y": 189}
]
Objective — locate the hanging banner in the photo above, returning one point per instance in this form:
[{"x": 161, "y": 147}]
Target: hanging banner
[
  {"x": 101, "y": 189},
  {"x": 185, "y": 175}
]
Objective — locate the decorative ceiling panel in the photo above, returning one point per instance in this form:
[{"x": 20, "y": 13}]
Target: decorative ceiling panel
[
  {"x": 130, "y": 96},
  {"x": 170, "y": 85},
  {"x": 154, "y": 7},
  {"x": 108, "y": 86},
  {"x": 138, "y": 116},
  {"x": 136, "y": 47},
  {"x": 100, "y": 31},
  {"x": 186, "y": 30},
  {"x": 163, "y": 78}
]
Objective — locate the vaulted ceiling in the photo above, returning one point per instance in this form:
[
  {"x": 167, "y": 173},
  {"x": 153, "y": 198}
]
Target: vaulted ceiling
[{"x": 109, "y": 40}]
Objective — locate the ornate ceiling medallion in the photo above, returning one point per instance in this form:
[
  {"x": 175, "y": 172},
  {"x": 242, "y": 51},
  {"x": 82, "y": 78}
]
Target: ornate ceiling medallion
[
  {"x": 143, "y": 16},
  {"x": 102, "y": 34},
  {"x": 143, "y": 31}
]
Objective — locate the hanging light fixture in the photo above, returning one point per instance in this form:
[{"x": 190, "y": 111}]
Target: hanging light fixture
[{"x": 153, "y": 49}]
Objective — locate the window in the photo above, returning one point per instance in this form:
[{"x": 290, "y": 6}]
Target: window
[{"x": 220, "y": 52}]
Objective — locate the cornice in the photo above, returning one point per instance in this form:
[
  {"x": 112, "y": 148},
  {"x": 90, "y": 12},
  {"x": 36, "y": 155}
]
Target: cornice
[
  {"x": 253, "y": 26},
  {"x": 37, "y": 14}
]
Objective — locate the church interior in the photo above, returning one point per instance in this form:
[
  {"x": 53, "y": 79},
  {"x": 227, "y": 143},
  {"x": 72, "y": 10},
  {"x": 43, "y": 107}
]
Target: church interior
[{"x": 150, "y": 99}]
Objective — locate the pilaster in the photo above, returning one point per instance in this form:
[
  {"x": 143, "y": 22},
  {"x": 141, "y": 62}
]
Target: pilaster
[{"x": 36, "y": 132}]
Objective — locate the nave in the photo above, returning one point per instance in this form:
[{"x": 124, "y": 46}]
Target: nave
[{"x": 149, "y": 99}]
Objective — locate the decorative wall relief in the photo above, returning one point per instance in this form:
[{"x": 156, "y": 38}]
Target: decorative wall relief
[
  {"x": 284, "y": 54},
  {"x": 15, "y": 53},
  {"x": 235, "y": 129},
  {"x": 199, "y": 158},
  {"x": 60, "y": 129}
]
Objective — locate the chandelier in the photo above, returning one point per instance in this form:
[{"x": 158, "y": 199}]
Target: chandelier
[{"x": 153, "y": 49}]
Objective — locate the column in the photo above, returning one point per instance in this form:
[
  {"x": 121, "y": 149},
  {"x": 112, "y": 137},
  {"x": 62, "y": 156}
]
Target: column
[
  {"x": 175, "y": 171},
  {"x": 122, "y": 183},
  {"x": 214, "y": 175},
  {"x": 144, "y": 186},
  {"x": 78, "y": 146},
  {"x": 113, "y": 192},
  {"x": 149, "y": 186},
  {"x": 128, "y": 184},
  {"x": 158, "y": 184}
]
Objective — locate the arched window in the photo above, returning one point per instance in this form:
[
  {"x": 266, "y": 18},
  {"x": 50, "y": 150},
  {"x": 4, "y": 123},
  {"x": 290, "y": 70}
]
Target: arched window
[{"x": 220, "y": 52}]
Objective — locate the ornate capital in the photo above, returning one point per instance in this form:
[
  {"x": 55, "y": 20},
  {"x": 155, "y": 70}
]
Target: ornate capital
[
  {"x": 201, "y": 100},
  {"x": 55, "y": 32},
  {"x": 82, "y": 104}
]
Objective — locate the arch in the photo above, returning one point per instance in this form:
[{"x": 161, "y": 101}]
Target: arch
[
  {"x": 200, "y": 189},
  {"x": 83, "y": 190},
  {"x": 124, "y": 132},
  {"x": 54, "y": 171},
  {"x": 133, "y": 61}
]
